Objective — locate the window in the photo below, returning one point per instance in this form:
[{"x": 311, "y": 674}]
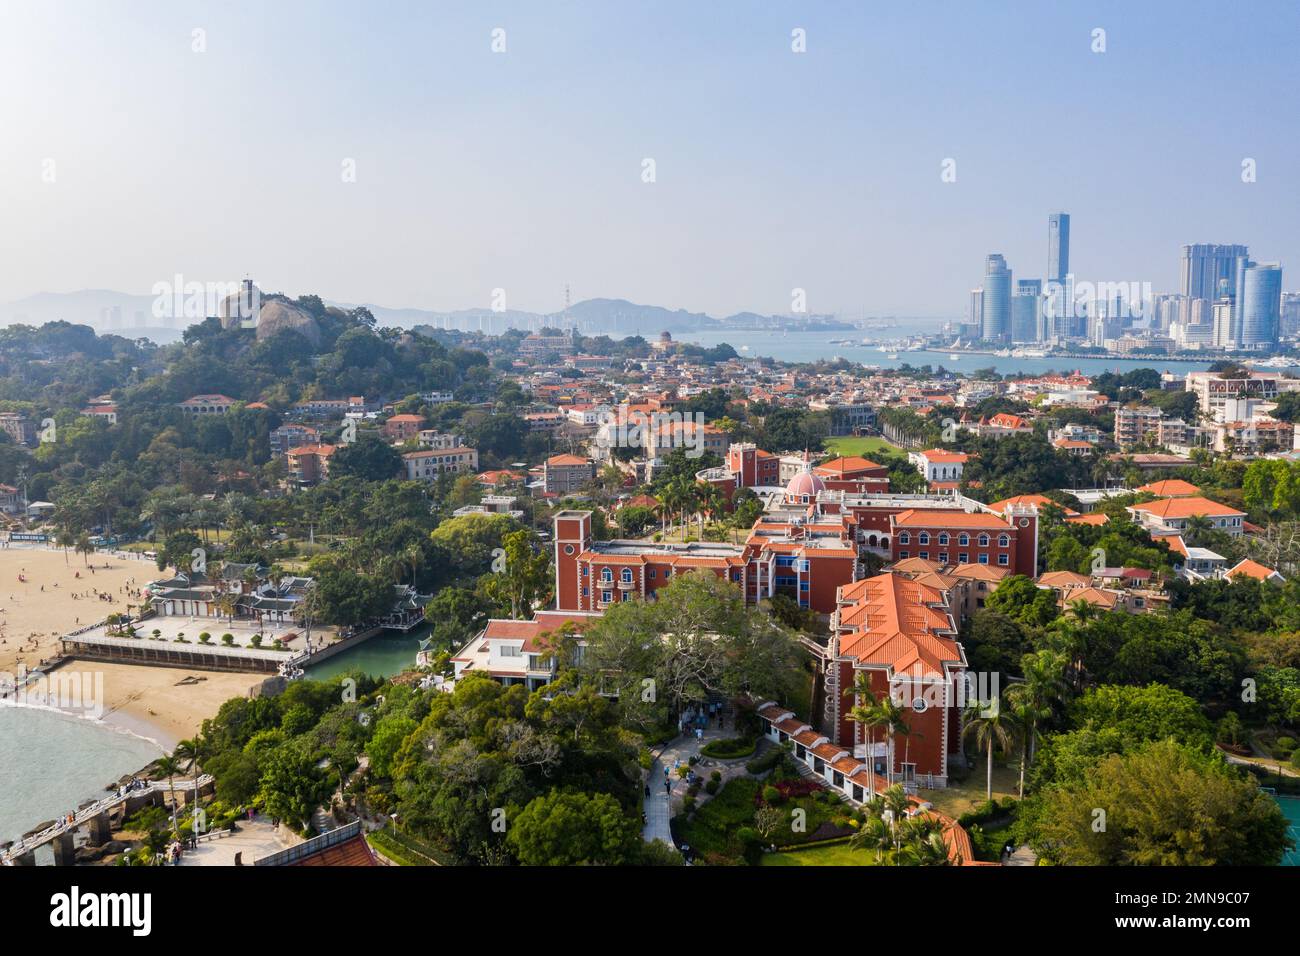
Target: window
[
  {"x": 984, "y": 559},
  {"x": 606, "y": 574},
  {"x": 925, "y": 555},
  {"x": 510, "y": 650},
  {"x": 923, "y": 538},
  {"x": 651, "y": 574},
  {"x": 607, "y": 596},
  {"x": 1004, "y": 559},
  {"x": 903, "y": 554},
  {"x": 627, "y": 575},
  {"x": 904, "y": 538},
  {"x": 963, "y": 558},
  {"x": 943, "y": 539},
  {"x": 943, "y": 557},
  {"x": 1004, "y": 541},
  {"x": 984, "y": 541},
  {"x": 963, "y": 539}
]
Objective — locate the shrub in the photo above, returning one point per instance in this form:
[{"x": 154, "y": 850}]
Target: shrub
[
  {"x": 712, "y": 787},
  {"x": 716, "y": 775},
  {"x": 1295, "y": 758},
  {"x": 205, "y": 638},
  {"x": 772, "y": 795},
  {"x": 730, "y": 748},
  {"x": 228, "y": 640},
  {"x": 765, "y": 762},
  {"x": 688, "y": 803}
]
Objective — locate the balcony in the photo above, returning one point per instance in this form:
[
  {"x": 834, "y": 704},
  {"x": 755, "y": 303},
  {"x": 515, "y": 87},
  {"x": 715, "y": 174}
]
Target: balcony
[{"x": 627, "y": 585}]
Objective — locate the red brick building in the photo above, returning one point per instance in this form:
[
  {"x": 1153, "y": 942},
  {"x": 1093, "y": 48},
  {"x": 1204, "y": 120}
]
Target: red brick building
[
  {"x": 902, "y": 635},
  {"x": 806, "y": 561}
]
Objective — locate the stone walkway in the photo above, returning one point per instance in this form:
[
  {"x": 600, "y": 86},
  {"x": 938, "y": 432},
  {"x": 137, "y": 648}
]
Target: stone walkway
[{"x": 660, "y": 805}]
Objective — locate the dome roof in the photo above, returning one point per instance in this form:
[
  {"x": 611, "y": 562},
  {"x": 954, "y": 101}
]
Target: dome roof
[{"x": 804, "y": 483}]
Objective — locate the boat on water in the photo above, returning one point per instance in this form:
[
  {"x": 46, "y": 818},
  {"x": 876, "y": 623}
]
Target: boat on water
[
  {"x": 954, "y": 357},
  {"x": 1275, "y": 361},
  {"x": 892, "y": 356}
]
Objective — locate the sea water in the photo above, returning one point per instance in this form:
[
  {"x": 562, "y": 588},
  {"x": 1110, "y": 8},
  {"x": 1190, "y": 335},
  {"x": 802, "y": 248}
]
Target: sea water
[{"x": 50, "y": 763}]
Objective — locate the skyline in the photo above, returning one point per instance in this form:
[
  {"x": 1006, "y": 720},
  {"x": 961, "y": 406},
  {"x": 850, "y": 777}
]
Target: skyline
[{"x": 522, "y": 170}]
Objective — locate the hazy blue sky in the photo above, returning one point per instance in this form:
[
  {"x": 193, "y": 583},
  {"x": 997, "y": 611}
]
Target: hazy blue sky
[{"x": 522, "y": 170}]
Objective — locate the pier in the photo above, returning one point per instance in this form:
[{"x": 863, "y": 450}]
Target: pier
[{"x": 95, "y": 817}]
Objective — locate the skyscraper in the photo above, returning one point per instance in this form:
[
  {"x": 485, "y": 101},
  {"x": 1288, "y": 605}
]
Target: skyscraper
[
  {"x": 975, "y": 313},
  {"x": 1058, "y": 246},
  {"x": 1205, "y": 264},
  {"x": 1258, "y": 304},
  {"x": 996, "y": 300},
  {"x": 1026, "y": 311}
]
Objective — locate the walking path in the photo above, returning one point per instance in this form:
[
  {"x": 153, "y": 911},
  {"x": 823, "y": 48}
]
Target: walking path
[{"x": 659, "y": 805}]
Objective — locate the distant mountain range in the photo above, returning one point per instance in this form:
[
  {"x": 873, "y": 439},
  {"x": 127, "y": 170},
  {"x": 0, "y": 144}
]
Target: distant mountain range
[{"x": 131, "y": 316}]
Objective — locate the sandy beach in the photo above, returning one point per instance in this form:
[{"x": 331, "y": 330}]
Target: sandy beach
[
  {"x": 53, "y": 600},
  {"x": 154, "y": 702},
  {"x": 164, "y": 704}
]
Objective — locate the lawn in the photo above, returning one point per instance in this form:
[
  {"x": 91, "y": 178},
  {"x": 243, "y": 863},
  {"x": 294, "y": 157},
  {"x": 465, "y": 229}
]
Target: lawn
[
  {"x": 831, "y": 854},
  {"x": 866, "y": 446},
  {"x": 959, "y": 798}
]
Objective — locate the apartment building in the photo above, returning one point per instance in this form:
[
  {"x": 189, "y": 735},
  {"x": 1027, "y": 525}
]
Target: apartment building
[
  {"x": 566, "y": 474},
  {"x": 428, "y": 464},
  {"x": 1137, "y": 426}
]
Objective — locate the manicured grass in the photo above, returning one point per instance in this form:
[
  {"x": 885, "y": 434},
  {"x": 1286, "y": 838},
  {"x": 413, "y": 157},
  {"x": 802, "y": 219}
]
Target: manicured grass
[
  {"x": 866, "y": 446},
  {"x": 830, "y": 854},
  {"x": 959, "y": 798}
]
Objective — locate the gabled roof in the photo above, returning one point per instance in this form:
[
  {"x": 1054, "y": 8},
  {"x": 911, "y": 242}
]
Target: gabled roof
[
  {"x": 902, "y": 625},
  {"x": 1186, "y": 508},
  {"x": 1253, "y": 569},
  {"x": 1171, "y": 488},
  {"x": 1063, "y": 579},
  {"x": 948, "y": 518}
]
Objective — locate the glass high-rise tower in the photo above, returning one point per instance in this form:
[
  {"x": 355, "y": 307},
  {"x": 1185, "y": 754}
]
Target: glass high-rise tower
[
  {"x": 1058, "y": 246},
  {"x": 1257, "y": 304},
  {"x": 997, "y": 300},
  {"x": 1027, "y": 312},
  {"x": 1204, "y": 264}
]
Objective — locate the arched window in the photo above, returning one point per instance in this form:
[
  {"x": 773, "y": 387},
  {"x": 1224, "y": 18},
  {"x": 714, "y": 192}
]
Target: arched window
[
  {"x": 1004, "y": 541},
  {"x": 943, "y": 538},
  {"x": 963, "y": 539},
  {"x": 923, "y": 537},
  {"x": 627, "y": 575},
  {"x": 606, "y": 574},
  {"x": 984, "y": 541},
  {"x": 904, "y": 538}
]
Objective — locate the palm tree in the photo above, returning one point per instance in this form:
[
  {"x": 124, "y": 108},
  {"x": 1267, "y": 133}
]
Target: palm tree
[
  {"x": 989, "y": 725},
  {"x": 1022, "y": 715},
  {"x": 866, "y": 713},
  {"x": 65, "y": 540},
  {"x": 1198, "y": 526},
  {"x": 873, "y": 833},
  {"x": 169, "y": 766},
  {"x": 895, "y": 810},
  {"x": 85, "y": 548},
  {"x": 1042, "y": 690},
  {"x": 226, "y": 602},
  {"x": 894, "y": 719},
  {"x": 189, "y": 753},
  {"x": 923, "y": 843}
]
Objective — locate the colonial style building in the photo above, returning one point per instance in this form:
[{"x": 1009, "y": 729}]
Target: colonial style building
[{"x": 428, "y": 464}]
